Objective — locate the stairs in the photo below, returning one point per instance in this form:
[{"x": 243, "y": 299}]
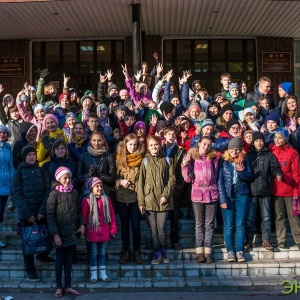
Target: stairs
[{"x": 183, "y": 270}]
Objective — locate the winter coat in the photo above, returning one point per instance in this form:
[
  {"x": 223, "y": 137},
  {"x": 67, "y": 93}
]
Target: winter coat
[
  {"x": 201, "y": 171},
  {"x": 225, "y": 180},
  {"x": 105, "y": 231},
  {"x": 288, "y": 159},
  {"x": 135, "y": 96},
  {"x": 221, "y": 143},
  {"x": 6, "y": 169},
  {"x": 45, "y": 143},
  {"x": 156, "y": 180},
  {"x": 14, "y": 127},
  {"x": 64, "y": 216},
  {"x": 185, "y": 143},
  {"x": 75, "y": 153},
  {"x": 104, "y": 166},
  {"x": 61, "y": 113},
  {"x": 30, "y": 190},
  {"x": 177, "y": 153},
  {"x": 106, "y": 99},
  {"x": 264, "y": 166}
]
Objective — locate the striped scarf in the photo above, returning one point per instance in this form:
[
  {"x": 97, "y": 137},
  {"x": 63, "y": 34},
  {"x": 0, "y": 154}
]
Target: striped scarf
[{"x": 63, "y": 189}]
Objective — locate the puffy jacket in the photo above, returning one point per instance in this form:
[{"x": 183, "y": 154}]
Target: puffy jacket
[
  {"x": 14, "y": 127},
  {"x": 45, "y": 143},
  {"x": 288, "y": 159},
  {"x": 264, "y": 165},
  {"x": 64, "y": 215},
  {"x": 105, "y": 231},
  {"x": 30, "y": 190},
  {"x": 225, "y": 180},
  {"x": 221, "y": 144},
  {"x": 104, "y": 166},
  {"x": 191, "y": 132},
  {"x": 201, "y": 171},
  {"x": 156, "y": 180},
  {"x": 6, "y": 169},
  {"x": 75, "y": 153}
]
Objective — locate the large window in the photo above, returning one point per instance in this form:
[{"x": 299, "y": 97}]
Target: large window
[
  {"x": 208, "y": 59},
  {"x": 80, "y": 60}
]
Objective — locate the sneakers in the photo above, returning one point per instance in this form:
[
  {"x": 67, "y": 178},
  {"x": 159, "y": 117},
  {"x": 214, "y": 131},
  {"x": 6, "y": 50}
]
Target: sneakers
[
  {"x": 231, "y": 256},
  {"x": 240, "y": 256},
  {"x": 248, "y": 245},
  {"x": 165, "y": 258},
  {"x": 125, "y": 258},
  {"x": 201, "y": 258},
  {"x": 137, "y": 257},
  {"x": 157, "y": 259},
  {"x": 44, "y": 258},
  {"x": 266, "y": 244},
  {"x": 33, "y": 277}
]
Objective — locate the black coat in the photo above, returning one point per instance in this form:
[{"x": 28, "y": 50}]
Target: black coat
[
  {"x": 30, "y": 190},
  {"x": 64, "y": 215},
  {"x": 102, "y": 166},
  {"x": 264, "y": 165}
]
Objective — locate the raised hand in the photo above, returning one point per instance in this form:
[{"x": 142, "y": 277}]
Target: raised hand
[
  {"x": 109, "y": 74},
  {"x": 44, "y": 73},
  {"x": 138, "y": 75},
  {"x": 169, "y": 75},
  {"x": 186, "y": 159},
  {"x": 177, "y": 121},
  {"x": 66, "y": 79},
  {"x": 153, "y": 120},
  {"x": 102, "y": 78},
  {"x": 159, "y": 69},
  {"x": 119, "y": 114},
  {"x": 125, "y": 71},
  {"x": 1, "y": 88}
]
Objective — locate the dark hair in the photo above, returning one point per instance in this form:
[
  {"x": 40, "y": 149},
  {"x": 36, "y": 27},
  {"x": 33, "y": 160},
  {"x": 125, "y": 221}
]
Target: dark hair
[
  {"x": 92, "y": 116},
  {"x": 130, "y": 113}
]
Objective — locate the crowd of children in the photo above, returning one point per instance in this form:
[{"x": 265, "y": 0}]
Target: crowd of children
[{"x": 228, "y": 155}]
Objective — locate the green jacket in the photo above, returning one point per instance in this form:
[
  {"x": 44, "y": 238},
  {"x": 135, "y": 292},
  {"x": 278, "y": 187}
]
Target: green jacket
[{"x": 157, "y": 179}]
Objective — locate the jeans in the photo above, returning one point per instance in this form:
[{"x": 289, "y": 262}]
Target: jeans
[
  {"x": 283, "y": 204},
  {"x": 157, "y": 222},
  {"x": 234, "y": 220},
  {"x": 174, "y": 220},
  {"x": 64, "y": 258},
  {"x": 204, "y": 223},
  {"x": 265, "y": 210},
  {"x": 98, "y": 254},
  {"x": 130, "y": 215},
  {"x": 3, "y": 200}
]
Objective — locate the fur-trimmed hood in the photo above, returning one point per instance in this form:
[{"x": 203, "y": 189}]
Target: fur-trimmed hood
[{"x": 193, "y": 152}]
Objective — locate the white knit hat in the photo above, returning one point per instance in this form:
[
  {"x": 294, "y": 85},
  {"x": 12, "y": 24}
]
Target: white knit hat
[{"x": 62, "y": 171}]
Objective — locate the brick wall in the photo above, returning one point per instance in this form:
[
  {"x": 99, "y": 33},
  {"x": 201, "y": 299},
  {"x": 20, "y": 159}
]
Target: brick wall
[
  {"x": 15, "y": 48},
  {"x": 271, "y": 44}
]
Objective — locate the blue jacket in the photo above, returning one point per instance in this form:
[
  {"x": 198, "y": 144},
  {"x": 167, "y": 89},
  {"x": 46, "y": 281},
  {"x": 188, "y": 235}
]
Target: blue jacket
[
  {"x": 225, "y": 180},
  {"x": 6, "y": 169}
]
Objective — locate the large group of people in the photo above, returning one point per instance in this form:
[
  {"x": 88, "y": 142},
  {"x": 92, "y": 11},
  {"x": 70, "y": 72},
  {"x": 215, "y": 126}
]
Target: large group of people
[{"x": 71, "y": 162}]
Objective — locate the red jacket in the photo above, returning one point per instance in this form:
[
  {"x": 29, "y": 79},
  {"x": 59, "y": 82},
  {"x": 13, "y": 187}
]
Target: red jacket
[
  {"x": 105, "y": 230},
  {"x": 288, "y": 159},
  {"x": 190, "y": 134}
]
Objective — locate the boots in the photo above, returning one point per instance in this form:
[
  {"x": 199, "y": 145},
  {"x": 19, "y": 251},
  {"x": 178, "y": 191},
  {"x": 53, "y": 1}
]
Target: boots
[
  {"x": 137, "y": 257},
  {"x": 102, "y": 275},
  {"x": 200, "y": 255},
  {"x": 93, "y": 274},
  {"x": 208, "y": 255},
  {"x": 2, "y": 245},
  {"x": 125, "y": 258}
]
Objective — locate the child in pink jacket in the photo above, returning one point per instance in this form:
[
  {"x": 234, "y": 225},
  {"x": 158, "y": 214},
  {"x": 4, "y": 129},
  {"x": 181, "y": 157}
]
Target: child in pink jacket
[{"x": 99, "y": 216}]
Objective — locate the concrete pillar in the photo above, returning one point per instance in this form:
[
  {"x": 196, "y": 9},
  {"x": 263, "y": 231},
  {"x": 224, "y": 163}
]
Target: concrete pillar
[{"x": 136, "y": 37}]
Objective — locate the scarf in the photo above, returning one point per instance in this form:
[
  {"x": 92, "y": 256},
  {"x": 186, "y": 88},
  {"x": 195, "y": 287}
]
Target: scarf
[
  {"x": 95, "y": 152},
  {"x": 78, "y": 140},
  {"x": 94, "y": 223},
  {"x": 134, "y": 159},
  {"x": 63, "y": 189}
]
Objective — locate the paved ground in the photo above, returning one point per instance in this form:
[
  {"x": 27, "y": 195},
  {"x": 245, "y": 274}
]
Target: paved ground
[{"x": 254, "y": 295}]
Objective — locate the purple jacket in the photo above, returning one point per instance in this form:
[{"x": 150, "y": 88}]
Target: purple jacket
[
  {"x": 136, "y": 97},
  {"x": 202, "y": 171}
]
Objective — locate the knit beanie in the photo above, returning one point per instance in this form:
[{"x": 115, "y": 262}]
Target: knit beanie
[
  {"x": 257, "y": 135},
  {"x": 174, "y": 95},
  {"x": 167, "y": 107},
  {"x": 250, "y": 104},
  {"x": 38, "y": 107},
  {"x": 225, "y": 108},
  {"x": 88, "y": 92},
  {"x": 235, "y": 143},
  {"x": 207, "y": 122},
  {"x": 24, "y": 97},
  {"x": 249, "y": 110},
  {"x": 5, "y": 129},
  {"x": 51, "y": 116},
  {"x": 6, "y": 96},
  {"x": 101, "y": 107},
  {"x": 286, "y": 86},
  {"x": 232, "y": 122},
  {"x": 84, "y": 97},
  {"x": 195, "y": 105},
  {"x": 283, "y": 132},
  {"x": 273, "y": 117},
  {"x": 48, "y": 106},
  {"x": 70, "y": 115},
  {"x": 128, "y": 103},
  {"x": 138, "y": 125},
  {"x": 32, "y": 88},
  {"x": 234, "y": 85},
  {"x": 91, "y": 182},
  {"x": 123, "y": 92},
  {"x": 64, "y": 96},
  {"x": 72, "y": 90},
  {"x": 61, "y": 171},
  {"x": 112, "y": 87},
  {"x": 26, "y": 150}
]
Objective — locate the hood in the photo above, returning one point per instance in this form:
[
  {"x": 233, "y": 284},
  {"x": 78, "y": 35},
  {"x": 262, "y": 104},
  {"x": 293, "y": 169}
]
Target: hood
[
  {"x": 25, "y": 128},
  {"x": 225, "y": 134},
  {"x": 193, "y": 152}
]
